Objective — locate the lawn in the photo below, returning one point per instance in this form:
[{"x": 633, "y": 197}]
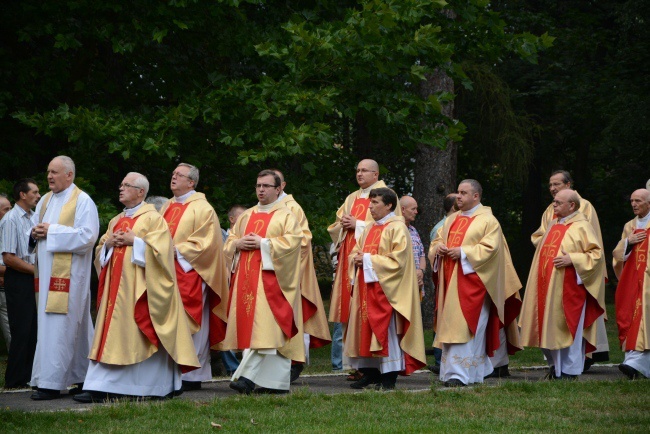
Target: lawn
[{"x": 604, "y": 406}]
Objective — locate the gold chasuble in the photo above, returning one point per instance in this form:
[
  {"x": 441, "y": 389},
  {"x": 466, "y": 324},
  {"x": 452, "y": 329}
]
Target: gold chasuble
[
  {"x": 554, "y": 300},
  {"x": 344, "y": 241},
  {"x": 264, "y": 309},
  {"x": 313, "y": 313},
  {"x": 197, "y": 237},
  {"x": 140, "y": 308},
  {"x": 59, "y": 287},
  {"x": 549, "y": 215},
  {"x": 633, "y": 291},
  {"x": 459, "y": 303},
  {"x": 373, "y": 304}
]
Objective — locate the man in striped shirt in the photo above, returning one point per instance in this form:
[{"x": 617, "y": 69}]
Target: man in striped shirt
[{"x": 19, "y": 284}]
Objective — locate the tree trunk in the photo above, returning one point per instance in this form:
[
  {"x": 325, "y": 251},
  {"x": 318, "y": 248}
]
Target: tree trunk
[{"x": 435, "y": 177}]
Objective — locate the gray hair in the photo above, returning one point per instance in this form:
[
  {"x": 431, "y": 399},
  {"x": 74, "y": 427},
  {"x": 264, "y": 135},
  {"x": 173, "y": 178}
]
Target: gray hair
[
  {"x": 156, "y": 201},
  {"x": 68, "y": 164},
  {"x": 193, "y": 174},
  {"x": 140, "y": 181},
  {"x": 476, "y": 186}
]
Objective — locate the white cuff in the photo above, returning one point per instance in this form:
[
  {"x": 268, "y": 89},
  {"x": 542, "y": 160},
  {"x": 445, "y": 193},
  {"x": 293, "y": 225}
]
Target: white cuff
[
  {"x": 265, "y": 248},
  {"x": 369, "y": 274},
  {"x": 137, "y": 253},
  {"x": 467, "y": 267},
  {"x": 186, "y": 266},
  {"x": 578, "y": 278},
  {"x": 105, "y": 256},
  {"x": 358, "y": 229}
]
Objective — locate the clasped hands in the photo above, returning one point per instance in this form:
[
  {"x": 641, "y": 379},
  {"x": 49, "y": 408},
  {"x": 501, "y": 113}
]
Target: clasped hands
[
  {"x": 249, "y": 242},
  {"x": 39, "y": 232},
  {"x": 453, "y": 253},
  {"x": 348, "y": 222},
  {"x": 121, "y": 238}
]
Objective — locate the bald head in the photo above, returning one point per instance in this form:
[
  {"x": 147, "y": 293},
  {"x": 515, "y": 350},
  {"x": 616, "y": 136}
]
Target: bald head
[
  {"x": 367, "y": 173},
  {"x": 640, "y": 201},
  {"x": 409, "y": 209},
  {"x": 566, "y": 202}
]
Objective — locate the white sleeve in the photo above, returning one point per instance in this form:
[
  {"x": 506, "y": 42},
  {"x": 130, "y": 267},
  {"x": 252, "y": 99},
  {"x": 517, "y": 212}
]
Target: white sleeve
[
  {"x": 265, "y": 248},
  {"x": 358, "y": 230},
  {"x": 467, "y": 267},
  {"x": 137, "y": 253},
  {"x": 369, "y": 274},
  {"x": 82, "y": 236},
  {"x": 186, "y": 266},
  {"x": 105, "y": 256}
]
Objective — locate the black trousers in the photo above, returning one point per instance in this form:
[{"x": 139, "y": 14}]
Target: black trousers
[{"x": 21, "y": 309}]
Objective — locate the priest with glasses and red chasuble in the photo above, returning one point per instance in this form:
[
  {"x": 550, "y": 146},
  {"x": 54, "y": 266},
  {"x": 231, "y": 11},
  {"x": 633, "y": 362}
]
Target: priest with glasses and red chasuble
[
  {"x": 200, "y": 267},
  {"x": 565, "y": 293},
  {"x": 142, "y": 337},
  {"x": 384, "y": 334},
  {"x": 478, "y": 301},
  {"x": 633, "y": 290},
  {"x": 264, "y": 313}
]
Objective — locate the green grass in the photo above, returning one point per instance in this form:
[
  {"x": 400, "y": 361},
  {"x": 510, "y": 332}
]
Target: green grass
[
  {"x": 605, "y": 406},
  {"x": 321, "y": 363}
]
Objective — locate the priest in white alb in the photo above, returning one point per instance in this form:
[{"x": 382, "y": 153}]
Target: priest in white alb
[{"x": 66, "y": 226}]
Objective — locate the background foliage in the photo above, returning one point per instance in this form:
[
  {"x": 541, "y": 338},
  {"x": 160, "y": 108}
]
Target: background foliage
[{"x": 311, "y": 87}]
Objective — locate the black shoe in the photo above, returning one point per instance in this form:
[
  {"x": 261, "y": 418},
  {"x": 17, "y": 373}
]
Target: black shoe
[
  {"x": 191, "y": 385},
  {"x": 76, "y": 390},
  {"x": 588, "y": 363},
  {"x": 388, "y": 381},
  {"x": 91, "y": 397},
  {"x": 296, "y": 369},
  {"x": 243, "y": 385},
  {"x": 434, "y": 368},
  {"x": 45, "y": 394},
  {"x": 454, "y": 382},
  {"x": 371, "y": 376},
  {"x": 631, "y": 373},
  {"x": 550, "y": 375},
  {"x": 269, "y": 391},
  {"x": 500, "y": 372},
  {"x": 569, "y": 377}
]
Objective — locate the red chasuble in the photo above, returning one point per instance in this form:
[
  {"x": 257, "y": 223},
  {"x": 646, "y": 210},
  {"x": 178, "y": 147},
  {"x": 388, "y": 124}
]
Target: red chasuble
[
  {"x": 574, "y": 296},
  {"x": 629, "y": 292},
  {"x": 471, "y": 290},
  {"x": 374, "y": 306},
  {"x": 376, "y": 310},
  {"x": 142, "y": 317},
  {"x": 247, "y": 278},
  {"x": 189, "y": 283},
  {"x": 358, "y": 211},
  {"x": 549, "y": 251}
]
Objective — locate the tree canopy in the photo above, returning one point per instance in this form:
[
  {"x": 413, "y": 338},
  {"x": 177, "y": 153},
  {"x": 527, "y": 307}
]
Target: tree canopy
[{"x": 234, "y": 86}]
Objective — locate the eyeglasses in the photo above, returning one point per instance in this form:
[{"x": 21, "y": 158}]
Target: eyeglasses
[
  {"x": 558, "y": 203},
  {"x": 366, "y": 171},
  {"x": 125, "y": 185},
  {"x": 180, "y": 175},
  {"x": 265, "y": 186}
]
